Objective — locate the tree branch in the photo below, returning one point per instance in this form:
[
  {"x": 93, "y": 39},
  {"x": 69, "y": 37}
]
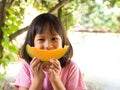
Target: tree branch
[
  {"x": 14, "y": 35},
  {"x": 9, "y": 3},
  {"x": 52, "y": 10},
  {"x": 58, "y": 6}
]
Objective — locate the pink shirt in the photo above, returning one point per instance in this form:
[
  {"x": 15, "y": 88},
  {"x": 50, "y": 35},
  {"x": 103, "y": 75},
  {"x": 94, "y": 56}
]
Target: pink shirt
[{"x": 70, "y": 76}]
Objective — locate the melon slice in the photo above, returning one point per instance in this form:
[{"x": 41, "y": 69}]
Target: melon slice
[{"x": 46, "y": 55}]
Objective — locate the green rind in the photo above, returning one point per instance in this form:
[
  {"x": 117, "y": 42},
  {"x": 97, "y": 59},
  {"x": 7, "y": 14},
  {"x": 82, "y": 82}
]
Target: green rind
[{"x": 27, "y": 49}]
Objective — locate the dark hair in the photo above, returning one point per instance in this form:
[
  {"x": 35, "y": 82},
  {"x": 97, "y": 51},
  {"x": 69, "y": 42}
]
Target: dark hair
[{"x": 39, "y": 25}]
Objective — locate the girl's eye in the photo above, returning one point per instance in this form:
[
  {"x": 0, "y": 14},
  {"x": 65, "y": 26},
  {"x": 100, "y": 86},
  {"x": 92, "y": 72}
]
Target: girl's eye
[
  {"x": 41, "y": 39},
  {"x": 54, "y": 38}
]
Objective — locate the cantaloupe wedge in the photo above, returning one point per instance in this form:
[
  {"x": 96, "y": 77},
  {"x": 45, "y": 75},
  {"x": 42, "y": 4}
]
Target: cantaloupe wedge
[{"x": 46, "y": 55}]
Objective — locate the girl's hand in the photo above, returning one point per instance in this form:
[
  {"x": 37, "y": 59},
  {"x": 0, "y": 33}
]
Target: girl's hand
[
  {"x": 36, "y": 67},
  {"x": 54, "y": 70}
]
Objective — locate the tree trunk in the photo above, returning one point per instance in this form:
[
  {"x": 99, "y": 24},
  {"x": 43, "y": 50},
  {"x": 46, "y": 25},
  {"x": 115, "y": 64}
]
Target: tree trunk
[{"x": 2, "y": 17}]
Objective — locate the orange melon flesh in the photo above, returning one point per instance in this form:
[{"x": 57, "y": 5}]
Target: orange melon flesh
[{"x": 46, "y": 55}]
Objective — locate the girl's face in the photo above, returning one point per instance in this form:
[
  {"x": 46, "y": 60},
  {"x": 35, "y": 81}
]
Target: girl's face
[{"x": 48, "y": 40}]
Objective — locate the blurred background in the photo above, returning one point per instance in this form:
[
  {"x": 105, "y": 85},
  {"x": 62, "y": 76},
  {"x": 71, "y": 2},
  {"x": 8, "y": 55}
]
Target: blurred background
[{"x": 93, "y": 27}]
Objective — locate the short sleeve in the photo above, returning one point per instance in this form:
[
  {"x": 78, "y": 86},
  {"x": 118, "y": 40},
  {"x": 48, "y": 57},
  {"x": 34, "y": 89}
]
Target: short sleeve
[
  {"x": 74, "y": 79},
  {"x": 24, "y": 76}
]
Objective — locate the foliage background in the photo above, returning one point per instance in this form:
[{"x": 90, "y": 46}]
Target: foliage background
[{"x": 76, "y": 15}]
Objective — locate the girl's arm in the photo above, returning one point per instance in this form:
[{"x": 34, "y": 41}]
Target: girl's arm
[
  {"x": 23, "y": 88},
  {"x": 57, "y": 84},
  {"x": 36, "y": 67},
  {"x": 36, "y": 84},
  {"x": 23, "y": 81},
  {"x": 54, "y": 75}
]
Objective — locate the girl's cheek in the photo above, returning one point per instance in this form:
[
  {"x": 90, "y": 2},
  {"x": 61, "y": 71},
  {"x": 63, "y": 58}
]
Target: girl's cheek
[{"x": 40, "y": 46}]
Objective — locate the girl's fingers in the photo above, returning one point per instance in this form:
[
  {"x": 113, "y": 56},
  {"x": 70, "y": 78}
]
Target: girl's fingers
[
  {"x": 55, "y": 63},
  {"x": 34, "y": 61},
  {"x": 35, "y": 64},
  {"x": 46, "y": 65}
]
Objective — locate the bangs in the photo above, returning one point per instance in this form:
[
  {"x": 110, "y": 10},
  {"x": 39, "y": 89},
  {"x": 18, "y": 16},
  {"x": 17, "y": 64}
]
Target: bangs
[{"x": 41, "y": 27}]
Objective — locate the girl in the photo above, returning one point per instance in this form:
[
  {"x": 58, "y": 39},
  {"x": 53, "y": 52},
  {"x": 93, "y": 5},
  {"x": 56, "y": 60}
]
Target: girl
[{"x": 47, "y": 32}]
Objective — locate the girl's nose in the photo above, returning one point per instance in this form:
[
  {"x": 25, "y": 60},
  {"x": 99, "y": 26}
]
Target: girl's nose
[{"x": 48, "y": 45}]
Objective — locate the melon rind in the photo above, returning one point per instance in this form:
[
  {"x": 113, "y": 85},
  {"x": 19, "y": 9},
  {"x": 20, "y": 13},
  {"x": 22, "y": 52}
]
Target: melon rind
[{"x": 46, "y": 55}]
